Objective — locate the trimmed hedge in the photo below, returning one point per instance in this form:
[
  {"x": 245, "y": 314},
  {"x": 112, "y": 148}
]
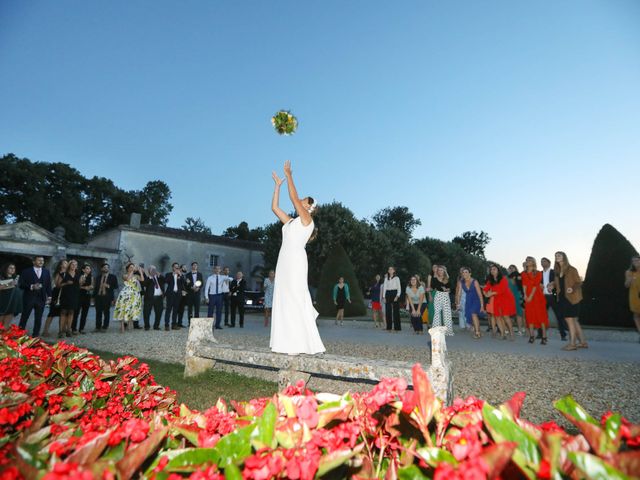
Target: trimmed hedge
[
  {"x": 606, "y": 299},
  {"x": 339, "y": 265}
]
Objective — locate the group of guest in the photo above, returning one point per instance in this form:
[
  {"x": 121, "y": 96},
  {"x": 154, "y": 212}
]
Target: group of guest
[
  {"x": 69, "y": 289},
  {"x": 526, "y": 296}
]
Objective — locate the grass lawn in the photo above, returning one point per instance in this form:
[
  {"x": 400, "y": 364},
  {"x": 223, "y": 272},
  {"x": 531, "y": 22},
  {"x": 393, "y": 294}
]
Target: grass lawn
[{"x": 202, "y": 391}]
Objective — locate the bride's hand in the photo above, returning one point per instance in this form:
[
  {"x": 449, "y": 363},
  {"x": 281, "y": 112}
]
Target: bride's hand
[
  {"x": 287, "y": 168},
  {"x": 277, "y": 179}
]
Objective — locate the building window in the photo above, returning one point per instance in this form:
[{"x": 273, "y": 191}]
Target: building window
[{"x": 213, "y": 260}]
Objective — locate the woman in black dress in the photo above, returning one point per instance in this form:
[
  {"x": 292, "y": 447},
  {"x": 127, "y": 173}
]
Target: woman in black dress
[
  {"x": 69, "y": 283},
  {"x": 10, "y": 295},
  {"x": 54, "y": 306},
  {"x": 86, "y": 286}
]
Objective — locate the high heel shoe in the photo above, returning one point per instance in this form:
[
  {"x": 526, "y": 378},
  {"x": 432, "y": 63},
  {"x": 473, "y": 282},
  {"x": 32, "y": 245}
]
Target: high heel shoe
[
  {"x": 532, "y": 339},
  {"x": 582, "y": 345},
  {"x": 543, "y": 341}
]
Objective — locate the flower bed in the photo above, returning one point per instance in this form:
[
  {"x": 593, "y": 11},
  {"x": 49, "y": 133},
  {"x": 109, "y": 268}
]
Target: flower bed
[{"x": 64, "y": 413}]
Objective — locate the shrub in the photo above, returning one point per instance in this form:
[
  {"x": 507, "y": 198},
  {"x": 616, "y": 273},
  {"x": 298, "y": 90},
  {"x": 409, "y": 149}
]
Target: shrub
[
  {"x": 606, "y": 299},
  {"x": 65, "y": 414},
  {"x": 338, "y": 265}
]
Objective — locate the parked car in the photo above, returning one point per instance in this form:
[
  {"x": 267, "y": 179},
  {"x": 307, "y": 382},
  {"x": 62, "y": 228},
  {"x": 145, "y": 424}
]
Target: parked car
[{"x": 253, "y": 300}]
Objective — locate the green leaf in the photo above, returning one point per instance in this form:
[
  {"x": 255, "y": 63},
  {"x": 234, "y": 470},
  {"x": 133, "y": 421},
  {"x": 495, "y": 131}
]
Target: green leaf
[
  {"x": 570, "y": 407},
  {"x": 192, "y": 457},
  {"x": 595, "y": 468},
  {"x": 412, "y": 472},
  {"x": 190, "y": 434},
  {"x": 235, "y": 447},
  {"x": 263, "y": 435},
  {"x": 433, "y": 456},
  {"x": 612, "y": 429},
  {"x": 231, "y": 472},
  {"x": 336, "y": 458},
  {"x": 115, "y": 453},
  {"x": 86, "y": 384},
  {"x": 503, "y": 429}
]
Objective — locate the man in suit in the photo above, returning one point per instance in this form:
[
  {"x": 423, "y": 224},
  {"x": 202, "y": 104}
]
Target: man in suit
[
  {"x": 36, "y": 283},
  {"x": 548, "y": 276},
  {"x": 106, "y": 285},
  {"x": 153, "y": 295},
  {"x": 214, "y": 296},
  {"x": 194, "y": 282},
  {"x": 236, "y": 291},
  {"x": 174, "y": 288}
]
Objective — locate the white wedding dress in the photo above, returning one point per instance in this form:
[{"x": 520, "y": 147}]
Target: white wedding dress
[{"x": 293, "y": 318}]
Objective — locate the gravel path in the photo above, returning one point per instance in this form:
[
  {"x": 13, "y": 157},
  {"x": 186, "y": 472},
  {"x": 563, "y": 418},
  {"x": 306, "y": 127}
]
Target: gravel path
[{"x": 599, "y": 385}]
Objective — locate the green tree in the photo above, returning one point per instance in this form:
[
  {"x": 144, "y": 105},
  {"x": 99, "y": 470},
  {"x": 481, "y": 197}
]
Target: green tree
[
  {"x": 153, "y": 202},
  {"x": 338, "y": 264},
  {"x": 55, "y": 194},
  {"x": 606, "y": 299},
  {"x": 452, "y": 256},
  {"x": 243, "y": 232},
  {"x": 399, "y": 218},
  {"x": 473, "y": 242},
  {"x": 192, "y": 224}
]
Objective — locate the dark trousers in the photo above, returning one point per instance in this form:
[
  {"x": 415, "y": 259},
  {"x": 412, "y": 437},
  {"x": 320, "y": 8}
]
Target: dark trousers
[
  {"x": 552, "y": 303},
  {"x": 416, "y": 322},
  {"x": 237, "y": 303},
  {"x": 84, "y": 302},
  {"x": 392, "y": 310},
  {"x": 103, "y": 311},
  {"x": 37, "y": 306},
  {"x": 226, "y": 300},
  {"x": 173, "y": 304},
  {"x": 181, "y": 308},
  {"x": 215, "y": 305},
  {"x": 193, "y": 305},
  {"x": 155, "y": 304}
]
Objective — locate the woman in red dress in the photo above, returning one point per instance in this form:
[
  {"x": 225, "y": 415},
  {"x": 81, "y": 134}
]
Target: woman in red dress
[
  {"x": 504, "y": 304},
  {"x": 535, "y": 305}
]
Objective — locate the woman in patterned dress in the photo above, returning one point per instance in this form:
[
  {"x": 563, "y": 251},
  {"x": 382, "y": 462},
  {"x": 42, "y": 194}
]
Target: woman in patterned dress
[
  {"x": 129, "y": 302},
  {"x": 10, "y": 295},
  {"x": 268, "y": 285}
]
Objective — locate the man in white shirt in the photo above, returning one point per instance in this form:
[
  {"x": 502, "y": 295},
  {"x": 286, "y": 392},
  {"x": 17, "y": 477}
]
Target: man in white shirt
[{"x": 213, "y": 295}]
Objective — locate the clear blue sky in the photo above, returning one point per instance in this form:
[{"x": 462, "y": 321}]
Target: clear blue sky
[{"x": 518, "y": 118}]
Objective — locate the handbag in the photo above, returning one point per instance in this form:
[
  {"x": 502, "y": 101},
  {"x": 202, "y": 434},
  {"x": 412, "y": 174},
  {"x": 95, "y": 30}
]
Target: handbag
[{"x": 425, "y": 316}]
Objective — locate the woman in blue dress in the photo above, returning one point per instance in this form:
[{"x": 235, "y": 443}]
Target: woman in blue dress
[{"x": 474, "y": 303}]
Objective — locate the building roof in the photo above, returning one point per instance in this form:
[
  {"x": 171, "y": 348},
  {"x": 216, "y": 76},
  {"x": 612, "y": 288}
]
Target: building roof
[{"x": 194, "y": 236}]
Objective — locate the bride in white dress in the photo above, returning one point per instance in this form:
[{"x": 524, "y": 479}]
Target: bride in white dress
[{"x": 293, "y": 317}]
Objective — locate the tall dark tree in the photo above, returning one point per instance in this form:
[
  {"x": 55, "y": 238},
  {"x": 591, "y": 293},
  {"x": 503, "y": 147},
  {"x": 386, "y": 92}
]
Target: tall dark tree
[
  {"x": 606, "y": 299},
  {"x": 473, "y": 242},
  {"x": 195, "y": 225},
  {"x": 154, "y": 202},
  {"x": 55, "y": 194},
  {"x": 398, "y": 218},
  {"x": 243, "y": 232}
]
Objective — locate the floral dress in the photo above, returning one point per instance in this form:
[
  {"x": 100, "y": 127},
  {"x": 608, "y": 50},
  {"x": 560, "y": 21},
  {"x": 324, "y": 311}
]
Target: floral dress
[{"x": 129, "y": 303}]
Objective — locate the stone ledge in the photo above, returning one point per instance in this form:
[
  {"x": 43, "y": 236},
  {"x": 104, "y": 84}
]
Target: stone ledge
[{"x": 204, "y": 352}]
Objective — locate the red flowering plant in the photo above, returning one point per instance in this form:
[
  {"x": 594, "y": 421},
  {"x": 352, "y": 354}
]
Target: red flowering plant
[{"x": 64, "y": 413}]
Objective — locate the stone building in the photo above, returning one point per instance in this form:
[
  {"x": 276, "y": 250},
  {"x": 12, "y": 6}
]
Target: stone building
[
  {"x": 161, "y": 246},
  {"x": 19, "y": 242},
  {"x": 148, "y": 244}
]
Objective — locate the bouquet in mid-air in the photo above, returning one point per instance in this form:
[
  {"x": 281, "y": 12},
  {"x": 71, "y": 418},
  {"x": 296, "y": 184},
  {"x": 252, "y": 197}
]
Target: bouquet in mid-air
[{"x": 284, "y": 122}]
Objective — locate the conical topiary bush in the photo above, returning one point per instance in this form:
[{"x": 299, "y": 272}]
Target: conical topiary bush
[
  {"x": 338, "y": 265},
  {"x": 606, "y": 300}
]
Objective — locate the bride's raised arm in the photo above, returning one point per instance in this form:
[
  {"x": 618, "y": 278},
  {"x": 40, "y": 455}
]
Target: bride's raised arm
[
  {"x": 305, "y": 216},
  {"x": 275, "y": 207}
]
